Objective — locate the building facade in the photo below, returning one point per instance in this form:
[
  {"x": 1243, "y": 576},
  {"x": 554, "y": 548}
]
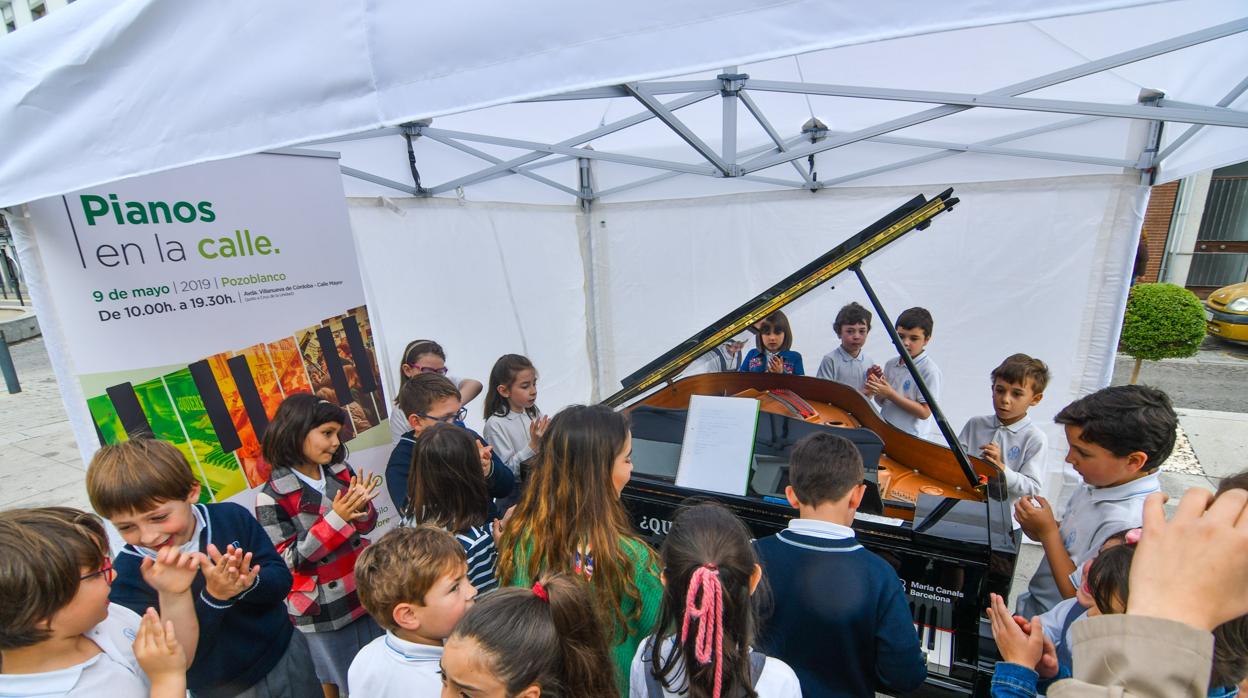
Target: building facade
[
  {"x": 16, "y": 14},
  {"x": 1196, "y": 230}
]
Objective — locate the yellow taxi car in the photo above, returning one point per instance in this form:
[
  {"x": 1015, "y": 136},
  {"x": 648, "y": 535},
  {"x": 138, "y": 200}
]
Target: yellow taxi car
[{"x": 1226, "y": 313}]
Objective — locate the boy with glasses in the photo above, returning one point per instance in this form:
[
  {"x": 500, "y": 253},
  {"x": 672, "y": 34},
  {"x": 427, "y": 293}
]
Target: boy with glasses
[
  {"x": 428, "y": 399},
  {"x": 59, "y": 635}
]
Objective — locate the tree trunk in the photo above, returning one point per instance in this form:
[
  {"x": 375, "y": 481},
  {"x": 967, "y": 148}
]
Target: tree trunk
[{"x": 1135, "y": 372}]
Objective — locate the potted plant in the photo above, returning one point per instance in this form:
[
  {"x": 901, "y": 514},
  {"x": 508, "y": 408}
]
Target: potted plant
[{"x": 1163, "y": 321}]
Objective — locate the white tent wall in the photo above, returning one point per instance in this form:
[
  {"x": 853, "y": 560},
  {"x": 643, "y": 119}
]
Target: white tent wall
[
  {"x": 483, "y": 280},
  {"x": 1038, "y": 266}
]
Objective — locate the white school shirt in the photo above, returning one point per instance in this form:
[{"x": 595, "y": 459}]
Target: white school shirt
[
  {"x": 398, "y": 421},
  {"x": 1092, "y": 515},
  {"x": 776, "y": 681},
  {"x": 1052, "y": 619},
  {"x": 509, "y": 435},
  {"x": 318, "y": 485},
  {"x": 839, "y": 366},
  {"x": 1023, "y": 447},
  {"x": 898, "y": 376},
  {"x": 392, "y": 666},
  {"x": 114, "y": 672}
]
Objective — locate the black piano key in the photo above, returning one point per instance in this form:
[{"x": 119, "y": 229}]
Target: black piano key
[
  {"x": 333, "y": 364},
  {"x": 246, "y": 385},
  {"x": 359, "y": 354},
  {"x": 214, "y": 405},
  {"x": 126, "y": 403},
  {"x": 932, "y": 623}
]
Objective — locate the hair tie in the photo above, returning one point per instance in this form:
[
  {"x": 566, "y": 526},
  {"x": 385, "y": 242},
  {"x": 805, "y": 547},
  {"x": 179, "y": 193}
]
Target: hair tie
[
  {"x": 1133, "y": 536},
  {"x": 540, "y": 592},
  {"x": 710, "y": 634}
]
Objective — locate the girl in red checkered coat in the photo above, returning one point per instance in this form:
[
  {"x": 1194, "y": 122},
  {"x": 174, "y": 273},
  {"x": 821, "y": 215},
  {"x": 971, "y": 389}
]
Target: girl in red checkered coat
[{"x": 315, "y": 509}]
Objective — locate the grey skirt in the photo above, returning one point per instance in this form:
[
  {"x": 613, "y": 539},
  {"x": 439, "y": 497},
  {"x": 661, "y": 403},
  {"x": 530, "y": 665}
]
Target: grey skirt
[{"x": 333, "y": 651}]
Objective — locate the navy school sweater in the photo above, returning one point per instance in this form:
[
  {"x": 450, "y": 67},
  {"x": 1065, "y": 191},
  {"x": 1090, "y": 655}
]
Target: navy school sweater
[
  {"x": 240, "y": 639},
  {"x": 500, "y": 483},
  {"x": 840, "y": 619}
]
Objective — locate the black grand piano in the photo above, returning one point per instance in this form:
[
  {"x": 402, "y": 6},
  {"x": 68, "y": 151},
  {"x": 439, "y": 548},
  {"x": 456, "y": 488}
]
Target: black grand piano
[{"x": 938, "y": 516}]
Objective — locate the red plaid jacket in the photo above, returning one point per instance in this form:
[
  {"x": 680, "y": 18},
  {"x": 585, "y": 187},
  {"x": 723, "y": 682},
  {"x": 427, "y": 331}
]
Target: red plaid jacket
[{"x": 318, "y": 545}]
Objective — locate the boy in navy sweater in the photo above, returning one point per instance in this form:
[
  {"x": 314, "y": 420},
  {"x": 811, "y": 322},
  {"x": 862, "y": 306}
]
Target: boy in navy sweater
[
  {"x": 856, "y": 636},
  {"x": 429, "y": 399},
  {"x": 245, "y": 643}
]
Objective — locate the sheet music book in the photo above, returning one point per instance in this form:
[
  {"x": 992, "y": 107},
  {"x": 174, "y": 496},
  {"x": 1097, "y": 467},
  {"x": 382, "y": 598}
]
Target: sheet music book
[{"x": 718, "y": 447}]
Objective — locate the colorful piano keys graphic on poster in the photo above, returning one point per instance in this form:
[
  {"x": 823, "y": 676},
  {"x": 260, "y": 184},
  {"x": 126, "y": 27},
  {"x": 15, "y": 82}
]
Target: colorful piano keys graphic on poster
[{"x": 216, "y": 409}]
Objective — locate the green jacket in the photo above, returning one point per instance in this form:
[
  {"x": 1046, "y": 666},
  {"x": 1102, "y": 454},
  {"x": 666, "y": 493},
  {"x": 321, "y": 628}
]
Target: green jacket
[{"x": 645, "y": 575}]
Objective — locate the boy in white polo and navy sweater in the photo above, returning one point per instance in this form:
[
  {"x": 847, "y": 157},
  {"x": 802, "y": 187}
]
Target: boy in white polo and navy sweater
[
  {"x": 860, "y": 638},
  {"x": 244, "y": 643}
]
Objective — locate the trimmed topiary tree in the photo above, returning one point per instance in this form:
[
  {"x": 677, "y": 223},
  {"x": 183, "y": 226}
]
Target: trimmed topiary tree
[{"x": 1163, "y": 321}]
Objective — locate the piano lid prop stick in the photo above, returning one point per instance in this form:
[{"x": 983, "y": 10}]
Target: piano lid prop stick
[{"x": 945, "y": 429}]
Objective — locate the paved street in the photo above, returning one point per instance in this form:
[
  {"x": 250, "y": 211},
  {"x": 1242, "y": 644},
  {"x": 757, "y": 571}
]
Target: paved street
[
  {"x": 39, "y": 461},
  {"x": 1215, "y": 379}
]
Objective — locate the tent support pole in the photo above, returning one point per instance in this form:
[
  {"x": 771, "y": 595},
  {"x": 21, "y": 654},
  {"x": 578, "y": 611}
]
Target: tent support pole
[
  {"x": 686, "y": 134},
  {"x": 1193, "y": 130},
  {"x": 757, "y": 113},
  {"x": 1147, "y": 163},
  {"x": 912, "y": 162},
  {"x": 578, "y": 139},
  {"x": 490, "y": 158},
  {"x": 585, "y": 170},
  {"x": 1066, "y": 75},
  {"x": 732, "y": 82}
]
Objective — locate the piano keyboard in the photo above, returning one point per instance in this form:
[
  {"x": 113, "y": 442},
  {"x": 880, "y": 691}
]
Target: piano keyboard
[{"x": 933, "y": 621}]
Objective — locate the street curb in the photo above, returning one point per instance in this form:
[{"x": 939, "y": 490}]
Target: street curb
[{"x": 21, "y": 327}]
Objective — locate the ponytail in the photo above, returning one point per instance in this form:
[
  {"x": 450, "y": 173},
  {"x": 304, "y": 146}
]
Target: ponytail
[
  {"x": 546, "y": 635},
  {"x": 708, "y": 644},
  {"x": 708, "y": 563}
]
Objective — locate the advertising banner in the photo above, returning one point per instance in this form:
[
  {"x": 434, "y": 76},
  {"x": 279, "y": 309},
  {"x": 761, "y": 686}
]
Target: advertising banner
[{"x": 190, "y": 303}]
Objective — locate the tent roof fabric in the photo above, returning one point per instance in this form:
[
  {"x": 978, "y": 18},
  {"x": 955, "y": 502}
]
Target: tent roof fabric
[{"x": 104, "y": 90}]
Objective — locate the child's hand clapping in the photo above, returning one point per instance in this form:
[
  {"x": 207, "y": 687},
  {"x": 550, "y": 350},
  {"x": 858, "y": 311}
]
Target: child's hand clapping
[
  {"x": 352, "y": 503},
  {"x": 160, "y": 656},
  {"x": 227, "y": 575},
  {"x": 171, "y": 572},
  {"x": 536, "y": 429},
  {"x": 1024, "y": 644},
  {"x": 487, "y": 457}
]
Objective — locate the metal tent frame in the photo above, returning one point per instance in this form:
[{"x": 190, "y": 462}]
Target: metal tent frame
[{"x": 735, "y": 90}]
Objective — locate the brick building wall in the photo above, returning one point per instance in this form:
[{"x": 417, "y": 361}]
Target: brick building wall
[{"x": 1157, "y": 226}]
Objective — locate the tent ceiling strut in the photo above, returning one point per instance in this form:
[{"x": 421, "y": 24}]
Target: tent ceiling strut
[{"x": 734, "y": 87}]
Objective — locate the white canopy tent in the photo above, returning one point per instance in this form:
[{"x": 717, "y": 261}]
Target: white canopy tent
[{"x": 596, "y": 185}]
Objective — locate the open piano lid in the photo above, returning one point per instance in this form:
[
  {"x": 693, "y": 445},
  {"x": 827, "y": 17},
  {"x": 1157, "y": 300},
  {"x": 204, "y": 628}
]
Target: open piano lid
[{"x": 917, "y": 213}]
